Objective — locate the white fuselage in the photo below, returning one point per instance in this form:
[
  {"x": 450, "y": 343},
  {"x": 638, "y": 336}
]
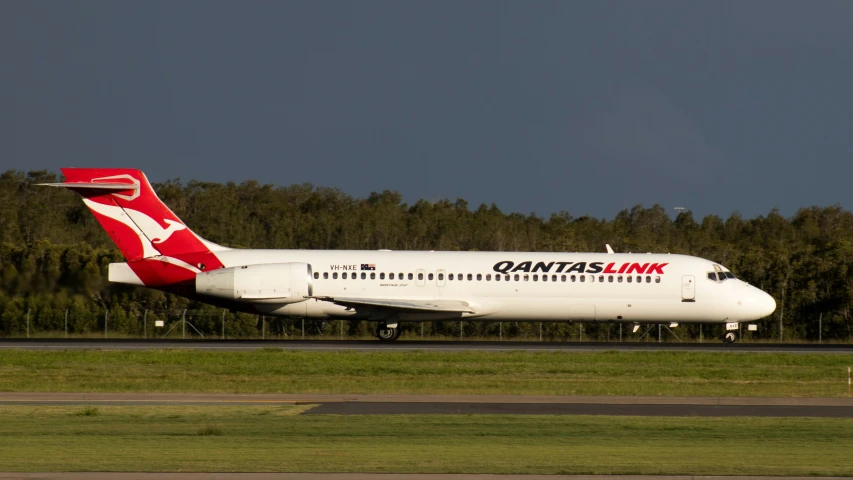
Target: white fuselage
[{"x": 582, "y": 287}]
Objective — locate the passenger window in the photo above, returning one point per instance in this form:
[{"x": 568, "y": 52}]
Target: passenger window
[
  {"x": 619, "y": 279},
  {"x": 553, "y": 278},
  {"x": 544, "y": 278},
  {"x": 526, "y": 278},
  {"x": 583, "y": 278},
  {"x": 610, "y": 278},
  {"x": 648, "y": 279},
  {"x": 516, "y": 277},
  {"x": 325, "y": 275},
  {"x": 497, "y": 278},
  {"x": 479, "y": 277},
  {"x": 450, "y": 276},
  {"x": 390, "y": 276},
  {"x": 506, "y": 278},
  {"x": 535, "y": 278},
  {"x": 488, "y": 277},
  {"x": 372, "y": 276},
  {"x": 316, "y": 275},
  {"x": 429, "y": 277},
  {"x": 470, "y": 277},
  {"x": 382, "y": 276},
  {"x": 657, "y": 278},
  {"x": 562, "y": 278},
  {"x": 335, "y": 275},
  {"x": 574, "y": 278},
  {"x": 601, "y": 278},
  {"x": 639, "y": 279},
  {"x": 355, "y": 275},
  {"x": 420, "y": 276},
  {"x": 411, "y": 276},
  {"x": 441, "y": 276},
  {"x": 400, "y": 276},
  {"x": 363, "y": 276},
  {"x": 630, "y": 278}
]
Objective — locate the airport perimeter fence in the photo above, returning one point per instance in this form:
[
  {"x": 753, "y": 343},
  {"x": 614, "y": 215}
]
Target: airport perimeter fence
[{"x": 212, "y": 324}]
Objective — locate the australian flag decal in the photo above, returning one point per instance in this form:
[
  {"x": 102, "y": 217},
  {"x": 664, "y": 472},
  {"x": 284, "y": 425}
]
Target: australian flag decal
[{"x": 368, "y": 266}]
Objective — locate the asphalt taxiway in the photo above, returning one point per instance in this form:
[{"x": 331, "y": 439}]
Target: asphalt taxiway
[
  {"x": 364, "y": 476},
  {"x": 410, "y": 345},
  {"x": 470, "y": 404}
]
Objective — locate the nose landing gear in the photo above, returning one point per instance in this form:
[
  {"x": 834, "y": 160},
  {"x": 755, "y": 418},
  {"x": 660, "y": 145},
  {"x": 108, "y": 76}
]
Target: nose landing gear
[{"x": 387, "y": 333}]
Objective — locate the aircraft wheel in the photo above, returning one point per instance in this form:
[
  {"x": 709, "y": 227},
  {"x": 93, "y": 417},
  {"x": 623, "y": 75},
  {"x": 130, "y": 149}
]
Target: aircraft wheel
[
  {"x": 386, "y": 333},
  {"x": 730, "y": 337}
]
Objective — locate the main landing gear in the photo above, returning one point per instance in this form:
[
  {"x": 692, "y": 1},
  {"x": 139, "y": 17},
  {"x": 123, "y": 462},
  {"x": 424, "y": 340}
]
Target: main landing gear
[
  {"x": 387, "y": 333},
  {"x": 730, "y": 337}
]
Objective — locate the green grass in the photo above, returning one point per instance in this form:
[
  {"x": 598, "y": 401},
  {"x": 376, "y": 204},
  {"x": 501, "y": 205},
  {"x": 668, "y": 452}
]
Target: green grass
[
  {"x": 546, "y": 373},
  {"x": 274, "y": 438}
]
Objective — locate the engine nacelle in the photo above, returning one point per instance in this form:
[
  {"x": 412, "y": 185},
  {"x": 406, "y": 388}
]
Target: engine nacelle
[{"x": 277, "y": 283}]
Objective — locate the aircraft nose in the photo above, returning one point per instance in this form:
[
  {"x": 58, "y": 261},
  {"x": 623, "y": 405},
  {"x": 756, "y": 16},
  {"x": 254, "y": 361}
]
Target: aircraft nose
[
  {"x": 764, "y": 304},
  {"x": 758, "y": 304}
]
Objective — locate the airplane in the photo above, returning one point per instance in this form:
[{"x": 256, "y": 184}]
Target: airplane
[{"x": 390, "y": 287}]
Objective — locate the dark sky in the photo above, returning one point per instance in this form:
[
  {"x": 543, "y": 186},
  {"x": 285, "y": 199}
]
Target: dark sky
[{"x": 538, "y": 106}]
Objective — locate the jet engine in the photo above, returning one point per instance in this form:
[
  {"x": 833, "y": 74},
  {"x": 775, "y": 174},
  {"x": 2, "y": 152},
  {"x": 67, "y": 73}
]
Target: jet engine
[{"x": 277, "y": 283}]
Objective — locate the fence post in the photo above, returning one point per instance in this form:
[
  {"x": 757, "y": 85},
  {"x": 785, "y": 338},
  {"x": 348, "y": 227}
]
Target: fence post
[
  {"x": 700, "y": 333},
  {"x": 342, "y": 329},
  {"x": 106, "y": 321},
  {"x": 501, "y": 331},
  {"x": 580, "y": 327},
  {"x": 223, "y": 323},
  {"x": 422, "y": 330},
  {"x": 658, "y": 333},
  {"x": 540, "y": 331},
  {"x": 263, "y": 327},
  {"x": 28, "y": 323},
  {"x": 620, "y": 333},
  {"x": 184, "y": 324},
  {"x": 145, "y": 324},
  {"x": 820, "y": 329},
  {"x": 460, "y": 329},
  {"x": 66, "y": 323},
  {"x": 303, "y": 329}
]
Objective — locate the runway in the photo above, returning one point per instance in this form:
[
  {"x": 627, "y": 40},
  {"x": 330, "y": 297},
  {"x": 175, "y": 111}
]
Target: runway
[
  {"x": 364, "y": 476},
  {"x": 411, "y": 345},
  {"x": 471, "y": 404}
]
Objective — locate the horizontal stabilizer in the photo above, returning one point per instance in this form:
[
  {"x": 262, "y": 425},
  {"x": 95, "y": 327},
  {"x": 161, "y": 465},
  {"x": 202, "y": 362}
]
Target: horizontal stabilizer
[{"x": 99, "y": 186}]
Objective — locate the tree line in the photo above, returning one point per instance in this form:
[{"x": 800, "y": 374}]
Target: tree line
[{"x": 54, "y": 254}]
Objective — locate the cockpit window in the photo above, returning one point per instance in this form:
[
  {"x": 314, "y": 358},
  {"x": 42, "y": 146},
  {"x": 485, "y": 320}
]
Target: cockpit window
[{"x": 719, "y": 275}]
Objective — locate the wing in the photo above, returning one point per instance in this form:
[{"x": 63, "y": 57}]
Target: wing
[{"x": 450, "y": 306}]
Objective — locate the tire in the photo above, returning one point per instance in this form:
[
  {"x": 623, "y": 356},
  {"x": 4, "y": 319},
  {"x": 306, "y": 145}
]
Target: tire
[{"x": 387, "y": 334}]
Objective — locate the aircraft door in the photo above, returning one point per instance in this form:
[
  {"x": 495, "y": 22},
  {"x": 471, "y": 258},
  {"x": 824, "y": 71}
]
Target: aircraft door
[
  {"x": 420, "y": 277},
  {"x": 688, "y": 288},
  {"x": 441, "y": 278}
]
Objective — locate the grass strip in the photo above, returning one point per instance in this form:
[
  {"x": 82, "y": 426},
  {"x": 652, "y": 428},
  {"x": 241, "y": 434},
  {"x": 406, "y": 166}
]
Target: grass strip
[
  {"x": 275, "y": 438},
  {"x": 419, "y": 372}
]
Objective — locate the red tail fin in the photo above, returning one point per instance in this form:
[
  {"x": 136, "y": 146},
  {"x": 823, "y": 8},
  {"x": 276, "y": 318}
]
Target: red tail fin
[{"x": 139, "y": 223}]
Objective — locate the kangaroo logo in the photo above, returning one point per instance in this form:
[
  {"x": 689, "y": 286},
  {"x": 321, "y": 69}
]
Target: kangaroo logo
[{"x": 140, "y": 223}]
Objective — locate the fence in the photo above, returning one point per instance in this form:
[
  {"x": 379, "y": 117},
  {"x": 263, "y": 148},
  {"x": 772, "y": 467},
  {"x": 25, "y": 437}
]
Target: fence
[{"x": 224, "y": 324}]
